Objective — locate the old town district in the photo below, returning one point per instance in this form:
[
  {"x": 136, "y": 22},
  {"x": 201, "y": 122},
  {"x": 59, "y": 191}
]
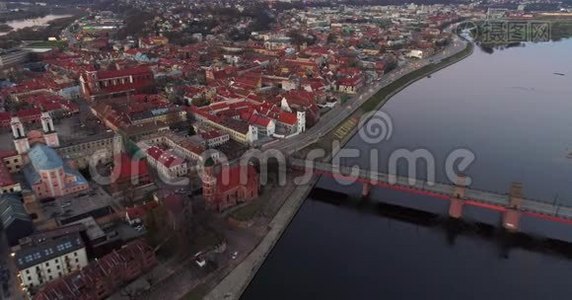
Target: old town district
[{"x": 144, "y": 112}]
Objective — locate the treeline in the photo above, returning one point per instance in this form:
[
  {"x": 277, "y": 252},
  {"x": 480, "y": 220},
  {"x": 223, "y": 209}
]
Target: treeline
[
  {"x": 24, "y": 14},
  {"x": 135, "y": 23},
  {"x": 262, "y": 19}
]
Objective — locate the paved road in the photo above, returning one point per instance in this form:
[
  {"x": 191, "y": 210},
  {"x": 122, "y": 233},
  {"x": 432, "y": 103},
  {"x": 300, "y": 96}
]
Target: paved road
[
  {"x": 6, "y": 260},
  {"x": 232, "y": 286},
  {"x": 340, "y": 112}
]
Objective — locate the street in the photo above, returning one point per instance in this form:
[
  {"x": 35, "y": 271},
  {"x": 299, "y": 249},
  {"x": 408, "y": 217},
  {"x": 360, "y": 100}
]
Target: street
[{"x": 340, "y": 112}]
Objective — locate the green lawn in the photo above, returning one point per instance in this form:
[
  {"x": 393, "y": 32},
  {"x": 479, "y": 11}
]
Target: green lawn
[
  {"x": 48, "y": 44},
  {"x": 248, "y": 211}
]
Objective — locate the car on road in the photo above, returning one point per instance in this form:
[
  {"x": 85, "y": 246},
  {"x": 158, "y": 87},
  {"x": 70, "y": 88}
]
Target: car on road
[
  {"x": 234, "y": 255},
  {"x": 201, "y": 262}
]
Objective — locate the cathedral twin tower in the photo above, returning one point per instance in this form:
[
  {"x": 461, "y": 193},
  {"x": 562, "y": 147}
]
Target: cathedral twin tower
[{"x": 22, "y": 142}]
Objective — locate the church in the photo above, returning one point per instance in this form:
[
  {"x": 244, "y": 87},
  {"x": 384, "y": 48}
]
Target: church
[
  {"x": 22, "y": 141},
  {"x": 46, "y": 173},
  {"x": 229, "y": 186},
  {"x": 49, "y": 176}
]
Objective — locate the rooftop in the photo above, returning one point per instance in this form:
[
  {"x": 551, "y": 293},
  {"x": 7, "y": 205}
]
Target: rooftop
[
  {"x": 11, "y": 208},
  {"x": 72, "y": 208},
  {"x": 48, "y": 249}
]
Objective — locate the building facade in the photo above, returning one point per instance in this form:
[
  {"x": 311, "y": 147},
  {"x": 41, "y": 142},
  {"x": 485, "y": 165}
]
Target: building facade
[
  {"x": 113, "y": 83},
  {"x": 12, "y": 57},
  {"x": 49, "y": 176},
  {"x": 229, "y": 186},
  {"x": 167, "y": 163},
  {"x": 42, "y": 262},
  {"x": 99, "y": 149},
  {"x": 15, "y": 221},
  {"x": 101, "y": 278}
]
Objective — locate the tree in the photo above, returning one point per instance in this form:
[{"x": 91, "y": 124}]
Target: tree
[
  {"x": 200, "y": 102},
  {"x": 332, "y": 38}
]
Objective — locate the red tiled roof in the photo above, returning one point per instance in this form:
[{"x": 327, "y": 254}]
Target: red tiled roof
[
  {"x": 234, "y": 178},
  {"x": 141, "y": 210},
  {"x": 108, "y": 74},
  {"x": 355, "y": 81},
  {"x": 132, "y": 168},
  {"x": 95, "y": 277},
  {"x": 7, "y": 153},
  {"x": 287, "y": 118},
  {"x": 165, "y": 158},
  {"x": 211, "y": 134},
  {"x": 5, "y": 116},
  {"x": 259, "y": 120},
  {"x": 5, "y": 176},
  {"x": 30, "y": 112}
]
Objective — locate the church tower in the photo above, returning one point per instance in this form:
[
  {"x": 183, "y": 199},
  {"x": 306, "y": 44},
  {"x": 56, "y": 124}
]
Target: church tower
[
  {"x": 20, "y": 139},
  {"x": 209, "y": 186},
  {"x": 89, "y": 85},
  {"x": 50, "y": 134}
]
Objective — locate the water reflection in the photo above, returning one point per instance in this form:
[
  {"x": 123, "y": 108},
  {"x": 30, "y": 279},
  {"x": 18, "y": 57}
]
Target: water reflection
[{"x": 513, "y": 112}]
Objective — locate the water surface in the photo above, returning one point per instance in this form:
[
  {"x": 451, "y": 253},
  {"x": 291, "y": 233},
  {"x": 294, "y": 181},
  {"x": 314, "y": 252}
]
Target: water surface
[{"x": 513, "y": 112}]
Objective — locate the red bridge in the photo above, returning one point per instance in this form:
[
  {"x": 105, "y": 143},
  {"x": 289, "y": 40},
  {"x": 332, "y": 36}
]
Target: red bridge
[{"x": 512, "y": 205}]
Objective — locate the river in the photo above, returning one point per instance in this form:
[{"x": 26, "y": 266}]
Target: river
[
  {"x": 42, "y": 21},
  {"x": 513, "y": 113}
]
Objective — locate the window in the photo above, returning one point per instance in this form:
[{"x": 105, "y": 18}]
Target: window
[{"x": 29, "y": 278}]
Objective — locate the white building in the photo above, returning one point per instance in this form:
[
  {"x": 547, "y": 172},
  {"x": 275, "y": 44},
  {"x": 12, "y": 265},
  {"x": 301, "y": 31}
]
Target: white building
[
  {"x": 47, "y": 259},
  {"x": 415, "y": 54},
  {"x": 167, "y": 163},
  {"x": 213, "y": 138}
]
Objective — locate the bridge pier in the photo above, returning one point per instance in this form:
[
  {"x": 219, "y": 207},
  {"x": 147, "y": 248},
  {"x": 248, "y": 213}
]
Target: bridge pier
[
  {"x": 511, "y": 217},
  {"x": 365, "y": 190},
  {"x": 457, "y": 200}
]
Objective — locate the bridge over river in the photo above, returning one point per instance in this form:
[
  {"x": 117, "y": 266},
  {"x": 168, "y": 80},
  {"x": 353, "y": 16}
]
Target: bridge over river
[{"x": 512, "y": 205}]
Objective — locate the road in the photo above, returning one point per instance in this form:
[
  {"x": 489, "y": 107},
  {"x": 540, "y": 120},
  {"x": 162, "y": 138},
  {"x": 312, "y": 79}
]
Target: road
[
  {"x": 341, "y": 112},
  {"x": 14, "y": 292}
]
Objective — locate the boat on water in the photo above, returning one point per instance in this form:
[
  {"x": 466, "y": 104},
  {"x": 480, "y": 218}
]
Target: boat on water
[{"x": 560, "y": 74}]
